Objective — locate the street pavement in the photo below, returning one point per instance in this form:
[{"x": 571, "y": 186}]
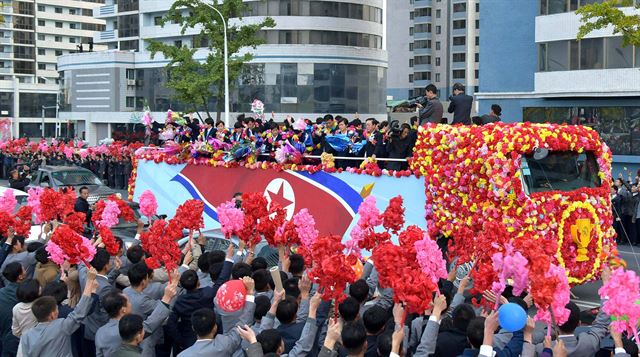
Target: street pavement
[{"x": 586, "y": 295}]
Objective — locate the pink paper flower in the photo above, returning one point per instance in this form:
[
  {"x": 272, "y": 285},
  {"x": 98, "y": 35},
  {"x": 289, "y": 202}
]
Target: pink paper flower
[
  {"x": 110, "y": 214},
  {"x": 622, "y": 293},
  {"x": 230, "y": 217},
  {"x": 8, "y": 202},
  {"x": 510, "y": 264},
  {"x": 561, "y": 297},
  {"x": 305, "y": 227},
  {"x": 33, "y": 201},
  {"x": 55, "y": 253},
  {"x": 300, "y": 124},
  {"x": 148, "y": 204},
  {"x": 369, "y": 213},
  {"x": 68, "y": 152},
  {"x": 430, "y": 259}
]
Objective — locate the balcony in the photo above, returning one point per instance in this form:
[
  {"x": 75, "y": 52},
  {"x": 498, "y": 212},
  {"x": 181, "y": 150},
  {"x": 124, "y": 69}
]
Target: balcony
[
  {"x": 6, "y": 40},
  {"x": 107, "y": 35},
  {"x": 105, "y": 10},
  {"x": 6, "y": 70},
  {"x": 6, "y": 55}
]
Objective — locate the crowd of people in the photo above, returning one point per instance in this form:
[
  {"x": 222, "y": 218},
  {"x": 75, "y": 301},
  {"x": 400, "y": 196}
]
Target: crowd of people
[
  {"x": 625, "y": 202},
  {"x": 118, "y": 306},
  {"x": 18, "y": 167},
  {"x": 329, "y": 134}
]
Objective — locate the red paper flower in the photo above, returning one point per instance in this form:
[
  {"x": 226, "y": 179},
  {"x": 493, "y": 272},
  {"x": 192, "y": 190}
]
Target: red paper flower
[
  {"x": 331, "y": 268},
  {"x": 109, "y": 241},
  {"x": 189, "y": 215},
  {"x": 76, "y": 221},
  {"x": 393, "y": 216}
]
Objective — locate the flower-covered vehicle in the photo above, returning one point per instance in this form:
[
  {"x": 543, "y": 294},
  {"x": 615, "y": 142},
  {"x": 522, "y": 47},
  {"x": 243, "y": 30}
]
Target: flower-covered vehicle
[{"x": 541, "y": 182}]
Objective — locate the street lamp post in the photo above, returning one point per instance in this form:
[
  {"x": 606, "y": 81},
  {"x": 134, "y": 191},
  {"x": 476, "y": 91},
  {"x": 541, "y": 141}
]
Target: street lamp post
[{"x": 226, "y": 67}]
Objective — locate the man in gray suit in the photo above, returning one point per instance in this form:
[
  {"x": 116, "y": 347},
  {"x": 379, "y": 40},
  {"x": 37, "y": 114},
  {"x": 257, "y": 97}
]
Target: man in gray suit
[
  {"x": 204, "y": 324},
  {"x": 432, "y": 110},
  {"x": 460, "y": 105},
  {"x": 51, "y": 337},
  {"x": 102, "y": 264},
  {"x": 117, "y": 305}
]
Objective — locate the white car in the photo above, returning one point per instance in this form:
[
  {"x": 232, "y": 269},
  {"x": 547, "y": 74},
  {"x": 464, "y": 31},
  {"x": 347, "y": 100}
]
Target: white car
[{"x": 21, "y": 198}]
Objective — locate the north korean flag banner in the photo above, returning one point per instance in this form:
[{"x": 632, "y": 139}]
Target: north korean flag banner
[{"x": 332, "y": 198}]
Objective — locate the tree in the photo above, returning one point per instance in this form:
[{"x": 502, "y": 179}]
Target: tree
[
  {"x": 598, "y": 16},
  {"x": 194, "y": 81}
]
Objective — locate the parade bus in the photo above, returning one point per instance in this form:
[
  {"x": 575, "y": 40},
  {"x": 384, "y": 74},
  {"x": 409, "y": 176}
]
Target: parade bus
[{"x": 538, "y": 181}]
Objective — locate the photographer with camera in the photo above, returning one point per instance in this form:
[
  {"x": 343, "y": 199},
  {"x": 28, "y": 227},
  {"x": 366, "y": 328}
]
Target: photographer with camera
[
  {"x": 431, "y": 109},
  {"x": 18, "y": 179},
  {"x": 460, "y": 105},
  {"x": 400, "y": 145}
]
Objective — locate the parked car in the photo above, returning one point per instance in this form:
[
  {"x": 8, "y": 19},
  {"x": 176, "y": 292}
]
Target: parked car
[{"x": 57, "y": 177}]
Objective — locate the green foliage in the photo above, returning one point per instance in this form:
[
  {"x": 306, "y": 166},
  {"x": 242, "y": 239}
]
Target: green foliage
[
  {"x": 193, "y": 81},
  {"x": 598, "y": 16}
]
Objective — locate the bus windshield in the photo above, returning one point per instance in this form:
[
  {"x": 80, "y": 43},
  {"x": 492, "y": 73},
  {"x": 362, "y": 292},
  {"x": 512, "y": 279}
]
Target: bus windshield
[{"x": 559, "y": 171}]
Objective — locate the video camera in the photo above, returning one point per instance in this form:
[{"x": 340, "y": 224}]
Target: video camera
[
  {"x": 394, "y": 128},
  {"x": 422, "y": 100}
]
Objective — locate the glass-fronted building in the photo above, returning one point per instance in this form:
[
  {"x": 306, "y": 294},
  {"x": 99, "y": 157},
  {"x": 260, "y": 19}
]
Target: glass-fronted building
[
  {"x": 321, "y": 57},
  {"x": 538, "y": 72}
]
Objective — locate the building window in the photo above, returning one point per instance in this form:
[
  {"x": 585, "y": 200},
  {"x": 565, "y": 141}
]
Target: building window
[
  {"x": 157, "y": 20},
  {"x": 422, "y": 44},
  {"x": 477, "y": 74},
  {"x": 618, "y": 56},
  {"x": 459, "y": 24},
  {"x": 72, "y": 40},
  {"x": 87, "y": 12},
  {"x": 438, "y": 13},
  {"x": 72, "y": 11},
  {"x": 423, "y": 28},
  {"x": 437, "y": 61},
  {"x": 437, "y": 45},
  {"x": 460, "y": 7},
  {"x": 58, "y": 24},
  {"x": 42, "y": 52},
  {"x": 591, "y": 53},
  {"x": 411, "y": 62},
  {"x": 58, "y": 52},
  {"x": 177, "y": 43},
  {"x": 42, "y": 66},
  {"x": 459, "y": 41},
  {"x": 131, "y": 73},
  {"x": 477, "y": 41},
  {"x": 412, "y": 15},
  {"x": 437, "y": 77},
  {"x": 40, "y": 22},
  {"x": 58, "y": 10},
  {"x": 41, "y": 8},
  {"x": 458, "y": 73},
  {"x": 58, "y": 38},
  {"x": 425, "y": 11},
  {"x": 130, "y": 102},
  {"x": 423, "y": 76},
  {"x": 477, "y": 7},
  {"x": 419, "y": 60},
  {"x": 411, "y": 46},
  {"x": 73, "y": 26},
  {"x": 438, "y": 29},
  {"x": 459, "y": 57},
  {"x": 410, "y": 31},
  {"x": 477, "y": 24},
  {"x": 411, "y": 78}
]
